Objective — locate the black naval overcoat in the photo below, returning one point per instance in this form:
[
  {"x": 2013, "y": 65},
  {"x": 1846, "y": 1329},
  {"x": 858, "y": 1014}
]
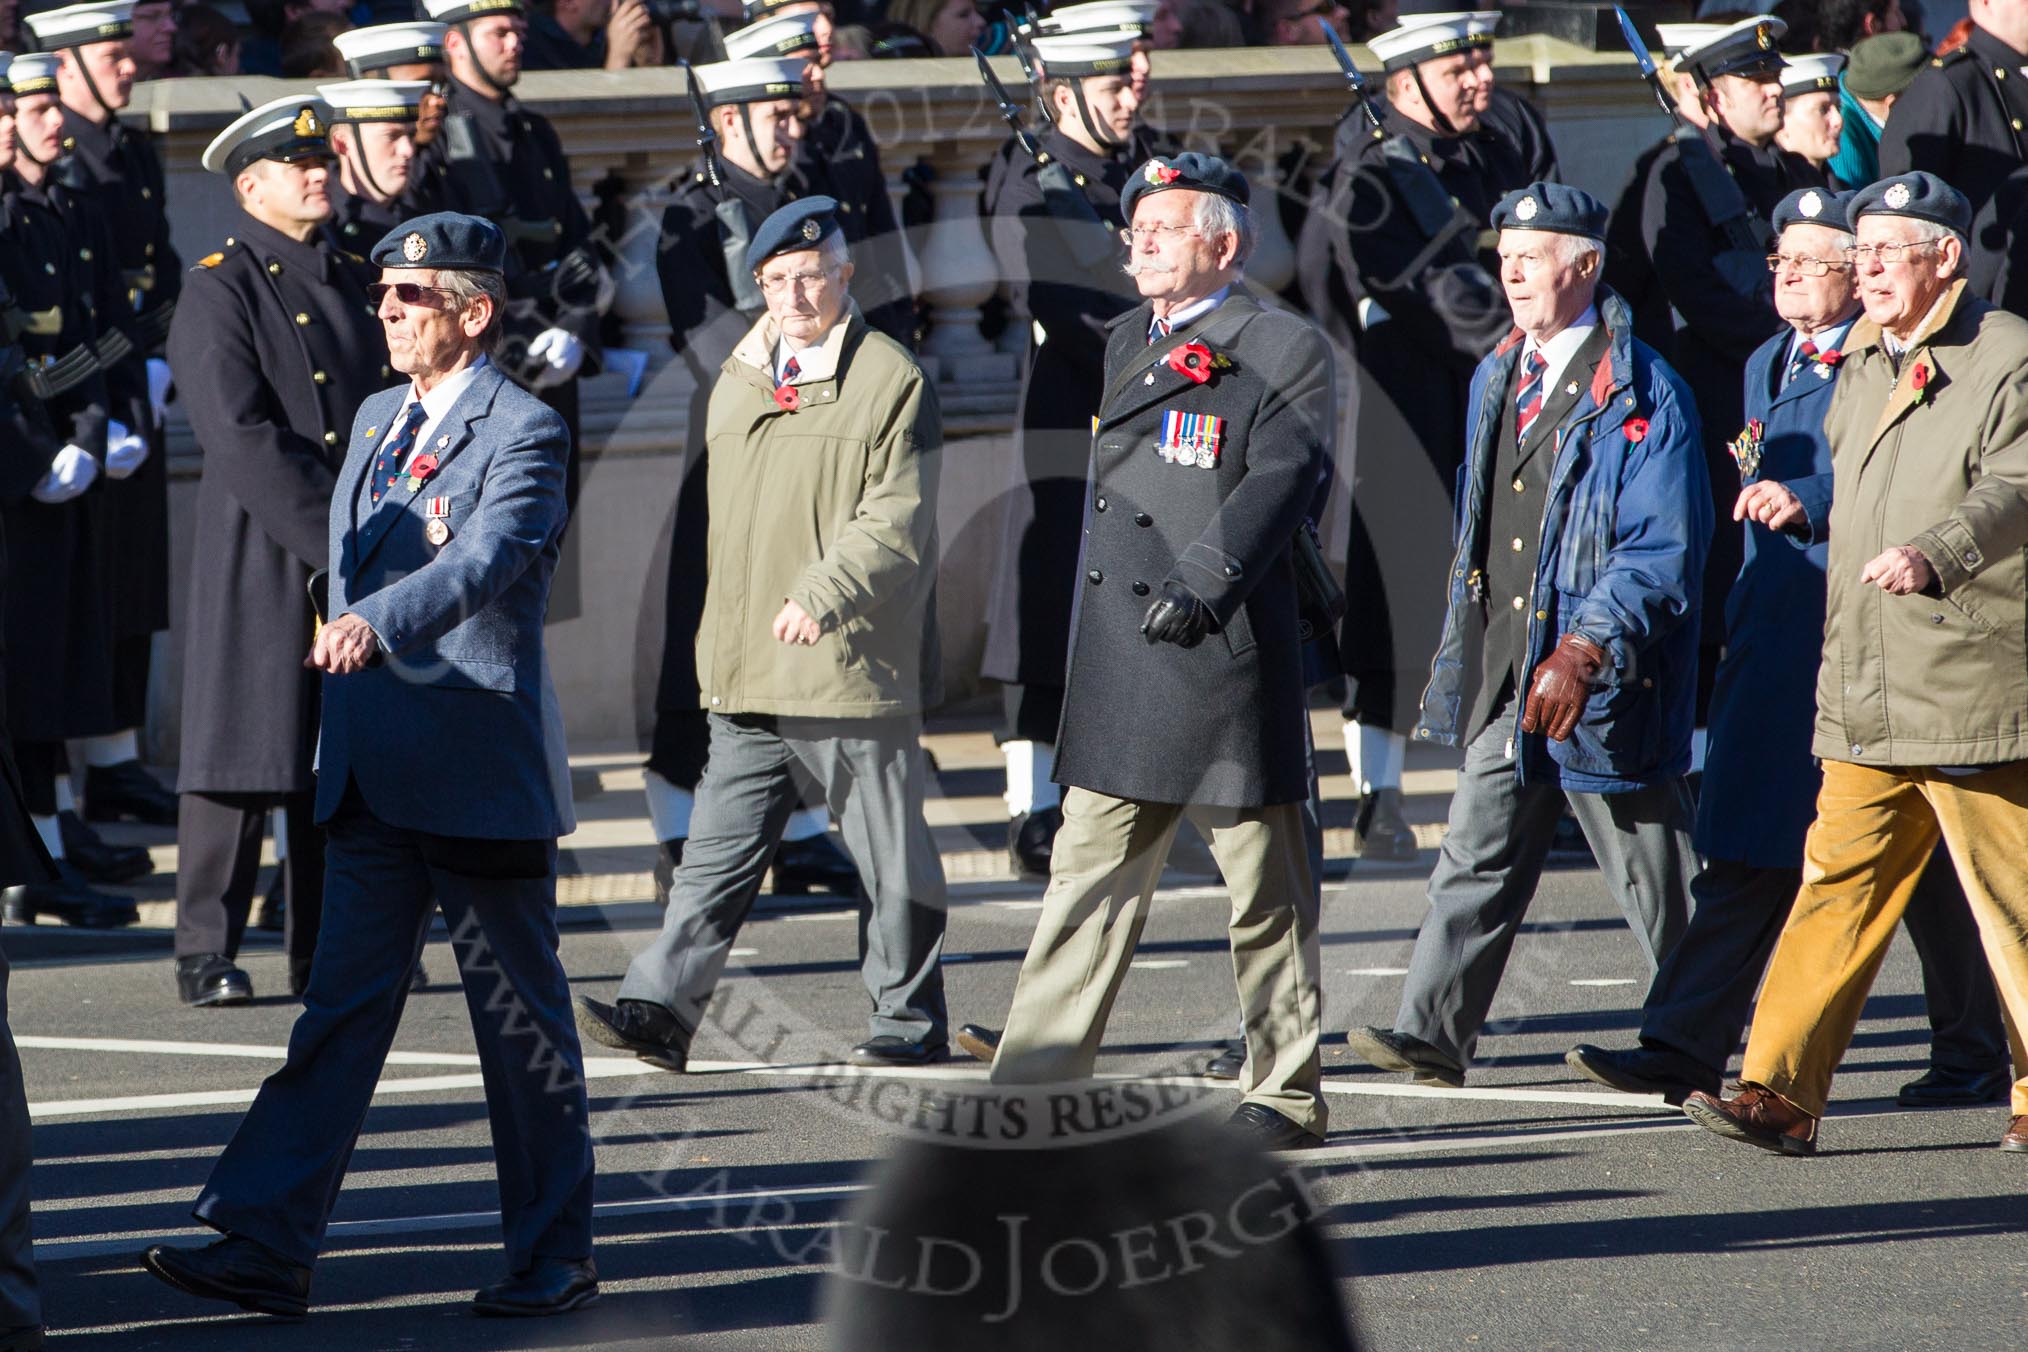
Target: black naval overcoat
[
  {"x": 838, "y": 149},
  {"x": 274, "y": 346},
  {"x": 1223, "y": 723}
]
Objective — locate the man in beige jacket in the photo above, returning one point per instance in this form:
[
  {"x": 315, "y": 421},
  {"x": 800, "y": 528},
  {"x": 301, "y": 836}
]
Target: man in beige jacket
[
  {"x": 1922, "y": 699},
  {"x": 815, "y": 647}
]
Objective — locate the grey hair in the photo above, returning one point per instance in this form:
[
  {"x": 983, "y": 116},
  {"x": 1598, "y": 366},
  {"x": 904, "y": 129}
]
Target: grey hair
[
  {"x": 1930, "y": 232},
  {"x": 1574, "y": 249},
  {"x": 834, "y": 250},
  {"x": 466, "y": 287},
  {"x": 1214, "y": 214}
]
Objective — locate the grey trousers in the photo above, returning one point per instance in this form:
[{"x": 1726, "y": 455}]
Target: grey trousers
[
  {"x": 1491, "y": 861},
  {"x": 20, "y": 1297},
  {"x": 870, "y": 772}
]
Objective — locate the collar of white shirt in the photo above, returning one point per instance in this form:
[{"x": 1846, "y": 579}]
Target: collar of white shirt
[
  {"x": 1558, "y": 351},
  {"x": 1190, "y": 313},
  {"x": 439, "y": 401},
  {"x": 1826, "y": 340}
]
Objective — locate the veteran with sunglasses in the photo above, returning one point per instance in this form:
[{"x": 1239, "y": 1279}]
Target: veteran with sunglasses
[{"x": 442, "y": 781}]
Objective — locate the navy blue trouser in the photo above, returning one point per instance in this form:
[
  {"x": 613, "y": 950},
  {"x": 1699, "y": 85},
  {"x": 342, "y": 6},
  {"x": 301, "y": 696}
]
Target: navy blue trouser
[{"x": 20, "y": 1301}]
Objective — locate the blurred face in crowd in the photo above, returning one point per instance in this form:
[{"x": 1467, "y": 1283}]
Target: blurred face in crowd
[
  {"x": 1170, "y": 259},
  {"x": 384, "y": 150},
  {"x": 957, "y": 25},
  {"x": 1112, "y": 103},
  {"x": 1811, "y": 124},
  {"x": 1482, "y": 93},
  {"x": 491, "y": 45},
  {"x": 294, "y": 197},
  {"x": 805, "y": 292},
  {"x": 1750, "y": 106},
  {"x": 38, "y": 128},
  {"x": 1453, "y": 84},
  {"x": 1549, "y": 278},
  {"x": 111, "y": 68},
  {"x": 434, "y": 336},
  {"x": 1299, "y": 27},
  {"x": 1901, "y": 274},
  {"x": 1811, "y": 304},
  {"x": 1165, "y": 30},
  {"x": 431, "y": 113},
  {"x": 777, "y": 131},
  {"x": 823, "y": 28},
  {"x": 6, "y": 131},
  {"x": 154, "y": 40}
]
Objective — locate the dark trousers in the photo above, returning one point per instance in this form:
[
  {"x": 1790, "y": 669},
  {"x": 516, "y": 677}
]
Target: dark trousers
[
  {"x": 1029, "y": 713},
  {"x": 1703, "y": 994},
  {"x": 40, "y": 763},
  {"x": 133, "y": 656},
  {"x": 218, "y": 854},
  {"x": 279, "y": 1176},
  {"x": 20, "y": 1297}
]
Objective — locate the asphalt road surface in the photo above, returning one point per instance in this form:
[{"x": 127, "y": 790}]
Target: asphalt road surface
[{"x": 1528, "y": 1210}]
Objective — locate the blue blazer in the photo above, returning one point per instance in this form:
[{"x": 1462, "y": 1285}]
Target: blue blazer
[
  {"x": 1760, "y": 780},
  {"x": 457, "y": 732}
]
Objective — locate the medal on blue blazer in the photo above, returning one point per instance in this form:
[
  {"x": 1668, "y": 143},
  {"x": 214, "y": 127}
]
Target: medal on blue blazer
[
  {"x": 1745, "y": 448},
  {"x": 1191, "y": 439}
]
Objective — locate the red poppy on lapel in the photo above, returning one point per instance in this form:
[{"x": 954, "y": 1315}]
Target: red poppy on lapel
[
  {"x": 1192, "y": 361},
  {"x": 1918, "y": 380},
  {"x": 787, "y": 399},
  {"x": 1635, "y": 430},
  {"x": 1831, "y": 358}
]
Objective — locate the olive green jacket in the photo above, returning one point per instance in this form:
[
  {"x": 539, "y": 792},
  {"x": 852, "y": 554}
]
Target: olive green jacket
[
  {"x": 1930, "y": 451},
  {"x": 830, "y": 503}
]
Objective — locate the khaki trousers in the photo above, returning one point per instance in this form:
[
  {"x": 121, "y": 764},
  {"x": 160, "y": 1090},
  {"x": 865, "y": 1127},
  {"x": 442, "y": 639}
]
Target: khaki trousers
[
  {"x": 1104, "y": 866},
  {"x": 1874, "y": 831}
]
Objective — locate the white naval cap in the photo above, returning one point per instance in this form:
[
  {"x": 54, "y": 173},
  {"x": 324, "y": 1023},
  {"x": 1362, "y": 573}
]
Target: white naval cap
[
  {"x": 374, "y": 100},
  {"x": 754, "y": 80},
  {"x": 1425, "y": 37},
  {"x": 291, "y": 128},
  {"x": 1074, "y": 56},
  {"x": 366, "y": 50},
  {"x": 81, "y": 25},
  {"x": 1099, "y": 16},
  {"x": 1813, "y": 73},
  {"x": 464, "y": 11},
  {"x": 32, "y": 73},
  {"x": 784, "y": 35},
  {"x": 1677, "y": 38}
]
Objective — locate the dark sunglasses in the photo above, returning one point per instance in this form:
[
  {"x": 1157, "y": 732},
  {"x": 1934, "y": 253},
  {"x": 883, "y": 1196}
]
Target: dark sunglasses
[{"x": 408, "y": 293}]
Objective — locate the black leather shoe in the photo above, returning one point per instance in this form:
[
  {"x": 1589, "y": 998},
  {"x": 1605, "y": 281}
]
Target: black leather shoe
[
  {"x": 1269, "y": 1130},
  {"x": 249, "y": 1275},
  {"x": 1230, "y": 1060},
  {"x": 546, "y": 1286},
  {"x": 814, "y": 865},
  {"x": 981, "y": 1042},
  {"x": 1380, "y": 831},
  {"x": 21, "y": 1340},
  {"x": 1944, "y": 1087},
  {"x": 1643, "y": 1072},
  {"x": 70, "y": 899},
  {"x": 1031, "y": 836},
  {"x": 890, "y": 1050},
  {"x": 127, "y": 792},
  {"x": 646, "y": 1029},
  {"x": 271, "y": 916},
  {"x": 668, "y": 858},
  {"x": 98, "y": 858},
  {"x": 212, "y": 979},
  {"x": 1390, "y": 1050}
]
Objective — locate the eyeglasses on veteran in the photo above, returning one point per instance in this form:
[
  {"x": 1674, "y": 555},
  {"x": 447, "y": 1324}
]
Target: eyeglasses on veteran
[
  {"x": 410, "y": 293},
  {"x": 1805, "y": 264},
  {"x": 779, "y": 282},
  {"x": 1134, "y": 234}
]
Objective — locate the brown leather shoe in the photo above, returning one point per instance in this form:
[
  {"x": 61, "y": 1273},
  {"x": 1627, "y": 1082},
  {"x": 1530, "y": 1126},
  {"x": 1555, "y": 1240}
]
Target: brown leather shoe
[
  {"x": 1758, "y": 1117},
  {"x": 2016, "y": 1138}
]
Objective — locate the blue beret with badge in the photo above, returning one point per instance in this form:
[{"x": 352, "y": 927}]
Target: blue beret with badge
[
  {"x": 1199, "y": 173},
  {"x": 449, "y": 241},
  {"x": 1556, "y": 208},
  {"x": 803, "y": 224},
  {"x": 1919, "y": 196},
  {"x": 1814, "y": 206}
]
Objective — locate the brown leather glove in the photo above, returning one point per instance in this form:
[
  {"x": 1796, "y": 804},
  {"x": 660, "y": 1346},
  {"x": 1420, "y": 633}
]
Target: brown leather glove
[{"x": 1561, "y": 684}]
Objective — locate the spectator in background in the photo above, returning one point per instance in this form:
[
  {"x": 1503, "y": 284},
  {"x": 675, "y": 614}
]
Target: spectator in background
[
  {"x": 1881, "y": 67},
  {"x": 1196, "y": 25},
  {"x": 947, "y": 27},
  {"x": 261, "y": 52},
  {"x": 853, "y": 42},
  {"x": 1293, "y": 23},
  {"x": 207, "y": 43},
  {"x": 589, "y": 34},
  {"x": 307, "y": 50},
  {"x": 1841, "y": 24},
  {"x": 153, "y": 45},
  {"x": 10, "y": 26},
  {"x": 1369, "y": 17}
]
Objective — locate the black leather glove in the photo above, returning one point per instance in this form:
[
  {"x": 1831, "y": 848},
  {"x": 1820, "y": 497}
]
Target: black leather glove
[
  {"x": 1177, "y": 617},
  {"x": 1561, "y": 685}
]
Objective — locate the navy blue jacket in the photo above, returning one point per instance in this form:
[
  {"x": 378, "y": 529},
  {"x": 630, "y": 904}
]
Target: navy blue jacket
[
  {"x": 1624, "y": 535},
  {"x": 1760, "y": 778},
  {"x": 457, "y": 732}
]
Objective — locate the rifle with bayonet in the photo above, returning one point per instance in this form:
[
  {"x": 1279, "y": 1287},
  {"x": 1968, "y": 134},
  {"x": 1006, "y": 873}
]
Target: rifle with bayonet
[
  {"x": 1355, "y": 83},
  {"x": 735, "y": 230},
  {"x": 1091, "y": 241}
]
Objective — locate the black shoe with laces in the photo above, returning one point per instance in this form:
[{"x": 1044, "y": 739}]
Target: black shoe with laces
[{"x": 646, "y": 1029}]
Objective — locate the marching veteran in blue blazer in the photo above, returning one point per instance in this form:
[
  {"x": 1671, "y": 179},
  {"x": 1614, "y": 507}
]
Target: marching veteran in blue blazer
[
  {"x": 441, "y": 780},
  {"x": 1759, "y": 793}
]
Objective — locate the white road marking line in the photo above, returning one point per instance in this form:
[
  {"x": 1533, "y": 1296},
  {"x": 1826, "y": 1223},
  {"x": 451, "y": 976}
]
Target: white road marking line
[
  {"x": 1602, "y": 981},
  {"x": 746, "y": 952},
  {"x": 1158, "y": 964},
  {"x": 1376, "y": 971},
  {"x": 1491, "y": 1094},
  {"x": 150, "y": 1048}
]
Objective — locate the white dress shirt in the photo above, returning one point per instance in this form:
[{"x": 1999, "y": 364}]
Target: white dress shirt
[
  {"x": 435, "y": 404},
  {"x": 1558, "y": 352}
]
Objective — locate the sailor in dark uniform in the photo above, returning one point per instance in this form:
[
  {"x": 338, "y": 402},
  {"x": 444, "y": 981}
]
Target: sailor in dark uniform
[
  {"x": 1811, "y": 119},
  {"x": 1964, "y": 118},
  {"x": 1705, "y": 220},
  {"x": 274, "y": 347},
  {"x": 402, "y": 51},
  {"x": 55, "y": 260},
  {"x": 121, "y": 175},
  {"x": 754, "y": 111},
  {"x": 498, "y": 160},
  {"x": 1057, "y": 242},
  {"x": 1504, "y": 113},
  {"x": 1396, "y": 257},
  {"x": 373, "y": 148}
]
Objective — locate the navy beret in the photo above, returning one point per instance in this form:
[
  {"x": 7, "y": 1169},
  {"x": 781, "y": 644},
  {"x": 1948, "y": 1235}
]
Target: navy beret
[
  {"x": 1200, "y": 173},
  {"x": 1919, "y": 196},
  {"x": 802, "y": 224},
  {"x": 448, "y": 240},
  {"x": 1555, "y": 207},
  {"x": 1814, "y": 206}
]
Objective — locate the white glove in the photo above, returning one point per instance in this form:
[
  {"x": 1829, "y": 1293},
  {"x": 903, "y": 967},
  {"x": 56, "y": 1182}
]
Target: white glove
[
  {"x": 70, "y": 474},
  {"x": 161, "y": 388},
  {"x": 124, "y": 450},
  {"x": 562, "y": 353}
]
